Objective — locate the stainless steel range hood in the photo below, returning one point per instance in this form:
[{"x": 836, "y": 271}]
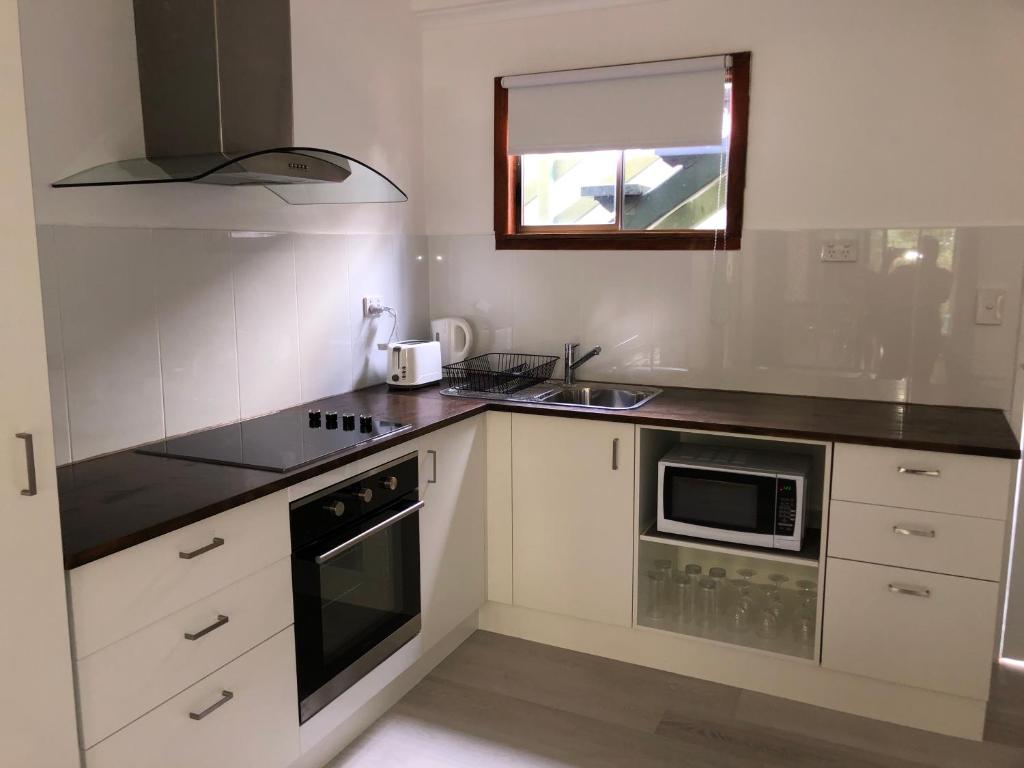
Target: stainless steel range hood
[{"x": 215, "y": 79}]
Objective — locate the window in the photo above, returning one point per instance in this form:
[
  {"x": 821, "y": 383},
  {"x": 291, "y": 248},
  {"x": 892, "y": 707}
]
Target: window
[{"x": 652, "y": 158}]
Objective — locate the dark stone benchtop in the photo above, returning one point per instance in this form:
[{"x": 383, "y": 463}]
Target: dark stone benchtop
[{"x": 113, "y": 502}]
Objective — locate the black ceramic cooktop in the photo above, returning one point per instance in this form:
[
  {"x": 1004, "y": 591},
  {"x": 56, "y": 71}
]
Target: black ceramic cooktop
[{"x": 278, "y": 442}]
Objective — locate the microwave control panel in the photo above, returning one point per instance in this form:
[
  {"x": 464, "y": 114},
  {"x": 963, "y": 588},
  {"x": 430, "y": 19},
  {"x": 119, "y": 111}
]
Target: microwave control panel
[{"x": 785, "y": 509}]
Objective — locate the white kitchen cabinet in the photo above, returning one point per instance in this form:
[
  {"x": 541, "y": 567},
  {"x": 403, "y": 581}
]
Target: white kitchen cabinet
[
  {"x": 914, "y": 538},
  {"x": 920, "y": 629},
  {"x": 243, "y": 715},
  {"x": 975, "y": 486},
  {"x": 453, "y": 546},
  {"x": 132, "y": 676},
  {"x": 119, "y": 594},
  {"x": 37, "y": 710},
  {"x": 572, "y": 517}
]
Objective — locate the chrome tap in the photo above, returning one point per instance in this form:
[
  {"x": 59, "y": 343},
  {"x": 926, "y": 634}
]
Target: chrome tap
[{"x": 570, "y": 363}]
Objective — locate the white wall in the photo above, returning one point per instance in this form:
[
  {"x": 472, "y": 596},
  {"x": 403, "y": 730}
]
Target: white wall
[
  {"x": 863, "y": 114},
  {"x": 163, "y": 314}
]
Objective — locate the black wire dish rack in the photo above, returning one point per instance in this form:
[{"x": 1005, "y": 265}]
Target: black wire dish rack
[{"x": 499, "y": 372}]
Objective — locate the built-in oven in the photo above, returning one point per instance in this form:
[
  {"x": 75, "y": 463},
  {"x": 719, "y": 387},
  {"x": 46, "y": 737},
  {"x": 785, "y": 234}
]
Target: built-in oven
[
  {"x": 355, "y": 578},
  {"x": 734, "y": 495}
]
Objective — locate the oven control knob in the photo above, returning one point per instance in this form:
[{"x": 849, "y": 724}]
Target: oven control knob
[
  {"x": 337, "y": 508},
  {"x": 391, "y": 483},
  {"x": 365, "y": 495}
]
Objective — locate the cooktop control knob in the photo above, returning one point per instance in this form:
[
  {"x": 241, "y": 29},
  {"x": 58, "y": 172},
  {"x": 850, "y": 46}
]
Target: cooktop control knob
[
  {"x": 314, "y": 419},
  {"x": 391, "y": 483},
  {"x": 332, "y": 420},
  {"x": 348, "y": 422},
  {"x": 366, "y": 423},
  {"x": 338, "y": 508}
]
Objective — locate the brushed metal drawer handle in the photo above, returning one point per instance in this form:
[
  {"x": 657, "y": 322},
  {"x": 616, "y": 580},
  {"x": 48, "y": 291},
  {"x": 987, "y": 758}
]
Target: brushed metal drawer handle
[
  {"x": 909, "y": 589},
  {"x": 220, "y": 622},
  {"x": 225, "y": 697},
  {"x": 919, "y": 472},
  {"x": 906, "y": 530},
  {"x": 217, "y": 542}
]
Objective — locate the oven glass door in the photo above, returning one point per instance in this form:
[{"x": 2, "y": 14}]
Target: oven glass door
[
  {"x": 355, "y": 604},
  {"x": 695, "y": 499}
]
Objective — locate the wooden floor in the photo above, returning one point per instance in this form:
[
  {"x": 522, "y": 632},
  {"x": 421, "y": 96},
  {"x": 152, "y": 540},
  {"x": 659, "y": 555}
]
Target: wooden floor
[{"x": 499, "y": 701}]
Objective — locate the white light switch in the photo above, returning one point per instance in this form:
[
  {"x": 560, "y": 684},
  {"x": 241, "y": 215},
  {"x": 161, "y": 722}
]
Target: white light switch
[{"x": 989, "y": 309}]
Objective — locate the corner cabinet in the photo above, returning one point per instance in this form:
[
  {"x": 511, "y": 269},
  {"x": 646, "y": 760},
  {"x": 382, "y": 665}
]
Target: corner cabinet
[{"x": 572, "y": 517}]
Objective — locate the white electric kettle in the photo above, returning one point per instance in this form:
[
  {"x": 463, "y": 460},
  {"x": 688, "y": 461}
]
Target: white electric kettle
[{"x": 456, "y": 337}]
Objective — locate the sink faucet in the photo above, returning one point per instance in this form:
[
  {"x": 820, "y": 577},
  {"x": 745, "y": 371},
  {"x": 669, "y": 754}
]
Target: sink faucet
[{"x": 570, "y": 363}]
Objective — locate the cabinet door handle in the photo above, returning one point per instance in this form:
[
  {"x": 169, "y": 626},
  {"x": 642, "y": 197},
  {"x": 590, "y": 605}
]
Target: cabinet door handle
[
  {"x": 615, "y": 453},
  {"x": 433, "y": 470},
  {"x": 225, "y": 697},
  {"x": 918, "y": 472},
  {"x": 217, "y": 542},
  {"x": 909, "y": 589},
  {"x": 906, "y": 530},
  {"x": 30, "y": 463},
  {"x": 220, "y": 622}
]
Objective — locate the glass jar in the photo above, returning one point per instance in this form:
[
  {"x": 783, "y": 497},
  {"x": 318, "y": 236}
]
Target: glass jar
[
  {"x": 707, "y": 603},
  {"x": 657, "y": 593}
]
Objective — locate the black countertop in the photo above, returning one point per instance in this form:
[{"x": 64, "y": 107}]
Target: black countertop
[{"x": 113, "y": 502}]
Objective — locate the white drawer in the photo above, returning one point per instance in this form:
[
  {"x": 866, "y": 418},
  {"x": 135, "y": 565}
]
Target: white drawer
[
  {"x": 976, "y": 486},
  {"x": 126, "y": 679},
  {"x": 942, "y": 642},
  {"x": 913, "y": 538},
  {"x": 120, "y": 594},
  {"x": 258, "y": 727}
]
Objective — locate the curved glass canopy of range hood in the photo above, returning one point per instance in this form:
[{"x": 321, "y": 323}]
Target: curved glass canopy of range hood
[{"x": 298, "y": 175}]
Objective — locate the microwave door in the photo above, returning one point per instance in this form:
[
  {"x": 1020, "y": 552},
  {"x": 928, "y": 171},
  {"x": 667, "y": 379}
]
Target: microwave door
[{"x": 718, "y": 504}]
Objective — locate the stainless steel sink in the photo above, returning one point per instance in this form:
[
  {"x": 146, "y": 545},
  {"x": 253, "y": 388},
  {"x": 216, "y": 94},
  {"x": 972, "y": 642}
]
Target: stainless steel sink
[{"x": 615, "y": 398}]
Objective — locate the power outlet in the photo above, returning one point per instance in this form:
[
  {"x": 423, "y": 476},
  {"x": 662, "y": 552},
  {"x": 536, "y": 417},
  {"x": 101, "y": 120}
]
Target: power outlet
[
  {"x": 373, "y": 306},
  {"x": 839, "y": 251}
]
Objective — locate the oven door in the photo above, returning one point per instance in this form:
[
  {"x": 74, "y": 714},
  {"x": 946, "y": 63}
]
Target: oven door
[
  {"x": 718, "y": 504},
  {"x": 357, "y": 601}
]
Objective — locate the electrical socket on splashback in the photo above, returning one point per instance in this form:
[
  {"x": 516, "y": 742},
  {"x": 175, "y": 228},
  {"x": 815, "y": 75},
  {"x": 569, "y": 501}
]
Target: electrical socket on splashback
[
  {"x": 373, "y": 306},
  {"x": 839, "y": 250}
]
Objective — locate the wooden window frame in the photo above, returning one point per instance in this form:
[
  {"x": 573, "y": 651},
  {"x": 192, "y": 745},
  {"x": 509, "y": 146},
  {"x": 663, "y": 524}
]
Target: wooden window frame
[{"x": 510, "y": 235}]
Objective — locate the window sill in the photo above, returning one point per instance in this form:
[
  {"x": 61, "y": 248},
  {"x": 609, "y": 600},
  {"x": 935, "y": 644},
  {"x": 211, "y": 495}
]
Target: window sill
[{"x": 616, "y": 241}]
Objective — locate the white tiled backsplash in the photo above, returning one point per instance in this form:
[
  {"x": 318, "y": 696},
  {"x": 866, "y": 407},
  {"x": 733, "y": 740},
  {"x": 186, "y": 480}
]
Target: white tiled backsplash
[
  {"x": 771, "y": 317},
  {"x": 159, "y": 332}
]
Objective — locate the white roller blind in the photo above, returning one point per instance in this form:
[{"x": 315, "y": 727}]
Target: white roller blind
[{"x": 636, "y": 106}]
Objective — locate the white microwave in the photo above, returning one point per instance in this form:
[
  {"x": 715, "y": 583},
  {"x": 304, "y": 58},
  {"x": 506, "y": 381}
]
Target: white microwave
[{"x": 739, "y": 496}]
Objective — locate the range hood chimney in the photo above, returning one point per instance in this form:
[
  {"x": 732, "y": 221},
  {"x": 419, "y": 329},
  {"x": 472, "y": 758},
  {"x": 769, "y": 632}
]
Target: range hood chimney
[{"x": 215, "y": 77}]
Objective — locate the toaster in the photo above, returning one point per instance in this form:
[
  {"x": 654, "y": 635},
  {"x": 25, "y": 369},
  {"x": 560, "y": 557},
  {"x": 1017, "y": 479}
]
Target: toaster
[{"x": 414, "y": 363}]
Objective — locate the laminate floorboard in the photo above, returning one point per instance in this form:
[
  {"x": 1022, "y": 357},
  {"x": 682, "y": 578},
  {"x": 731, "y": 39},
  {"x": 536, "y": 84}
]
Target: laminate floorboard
[{"x": 504, "y": 702}]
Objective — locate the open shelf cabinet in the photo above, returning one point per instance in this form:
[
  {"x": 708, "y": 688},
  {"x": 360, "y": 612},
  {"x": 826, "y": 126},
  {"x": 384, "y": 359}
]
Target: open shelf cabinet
[{"x": 763, "y": 580}]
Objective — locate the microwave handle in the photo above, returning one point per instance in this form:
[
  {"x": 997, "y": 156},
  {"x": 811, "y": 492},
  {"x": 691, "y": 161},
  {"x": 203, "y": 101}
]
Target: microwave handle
[
  {"x": 344, "y": 547},
  {"x": 615, "y": 454}
]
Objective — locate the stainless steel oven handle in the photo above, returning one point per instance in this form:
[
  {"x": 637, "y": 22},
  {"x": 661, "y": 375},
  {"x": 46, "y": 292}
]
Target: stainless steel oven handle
[{"x": 333, "y": 553}]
